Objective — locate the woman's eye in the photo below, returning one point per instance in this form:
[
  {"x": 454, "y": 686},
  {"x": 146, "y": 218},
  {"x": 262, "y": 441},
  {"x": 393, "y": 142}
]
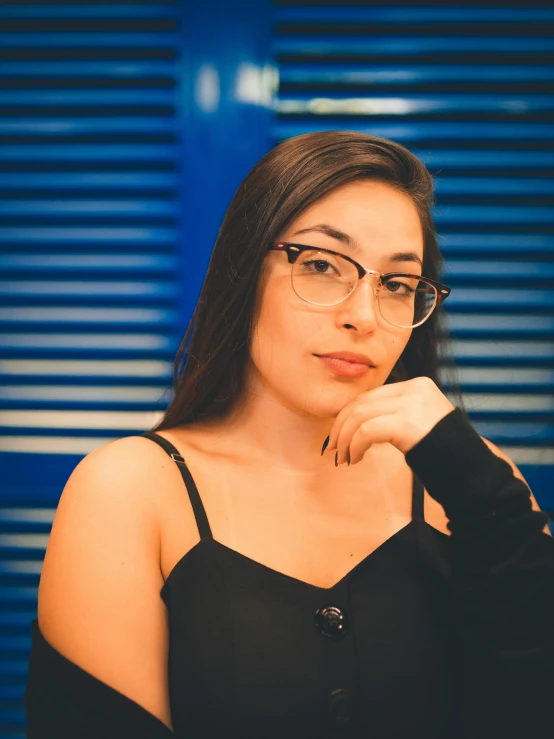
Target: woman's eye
[
  {"x": 399, "y": 288},
  {"x": 319, "y": 265}
]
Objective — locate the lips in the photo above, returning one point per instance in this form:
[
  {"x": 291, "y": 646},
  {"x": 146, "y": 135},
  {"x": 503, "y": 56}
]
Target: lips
[
  {"x": 347, "y": 364},
  {"x": 348, "y": 357}
]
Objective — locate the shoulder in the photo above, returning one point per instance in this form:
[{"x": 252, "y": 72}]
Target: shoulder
[
  {"x": 117, "y": 477},
  {"x": 127, "y": 471},
  {"x": 517, "y": 473},
  {"x": 99, "y": 599},
  {"x": 130, "y": 457},
  {"x": 107, "y": 502}
]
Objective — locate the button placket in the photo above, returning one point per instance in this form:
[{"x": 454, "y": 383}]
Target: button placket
[
  {"x": 334, "y": 626},
  {"x": 331, "y": 621},
  {"x": 340, "y": 707}
]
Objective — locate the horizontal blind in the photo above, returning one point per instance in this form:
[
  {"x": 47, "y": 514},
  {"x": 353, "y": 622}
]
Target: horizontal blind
[
  {"x": 89, "y": 235},
  {"x": 88, "y": 220},
  {"x": 468, "y": 88}
]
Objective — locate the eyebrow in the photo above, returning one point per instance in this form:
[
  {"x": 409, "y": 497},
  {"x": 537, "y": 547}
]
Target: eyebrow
[
  {"x": 399, "y": 256},
  {"x": 332, "y": 232},
  {"x": 405, "y": 256}
]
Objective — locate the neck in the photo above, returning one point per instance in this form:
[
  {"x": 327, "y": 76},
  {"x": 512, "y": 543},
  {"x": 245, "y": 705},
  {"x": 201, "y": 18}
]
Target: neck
[
  {"x": 292, "y": 439},
  {"x": 264, "y": 429}
]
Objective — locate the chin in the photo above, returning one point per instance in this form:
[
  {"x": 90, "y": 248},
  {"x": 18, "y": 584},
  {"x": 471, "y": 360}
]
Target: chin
[
  {"x": 332, "y": 399},
  {"x": 329, "y": 404}
]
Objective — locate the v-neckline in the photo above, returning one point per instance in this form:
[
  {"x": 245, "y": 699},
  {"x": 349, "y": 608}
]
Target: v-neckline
[
  {"x": 209, "y": 541},
  {"x": 304, "y": 583}
]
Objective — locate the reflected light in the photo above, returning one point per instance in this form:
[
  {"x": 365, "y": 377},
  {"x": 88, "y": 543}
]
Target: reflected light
[
  {"x": 256, "y": 85},
  {"x": 206, "y": 91}
]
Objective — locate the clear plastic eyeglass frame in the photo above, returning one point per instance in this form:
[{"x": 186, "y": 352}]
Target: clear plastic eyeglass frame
[{"x": 293, "y": 251}]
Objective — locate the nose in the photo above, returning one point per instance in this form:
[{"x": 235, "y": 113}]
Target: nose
[{"x": 360, "y": 309}]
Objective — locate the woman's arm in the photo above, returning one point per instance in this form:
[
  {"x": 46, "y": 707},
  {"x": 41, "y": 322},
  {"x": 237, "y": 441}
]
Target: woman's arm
[
  {"x": 502, "y": 582},
  {"x": 517, "y": 473},
  {"x": 98, "y": 662},
  {"x": 63, "y": 701}
]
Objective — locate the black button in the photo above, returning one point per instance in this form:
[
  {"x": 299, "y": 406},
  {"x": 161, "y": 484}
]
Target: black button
[
  {"x": 331, "y": 621},
  {"x": 340, "y": 706}
]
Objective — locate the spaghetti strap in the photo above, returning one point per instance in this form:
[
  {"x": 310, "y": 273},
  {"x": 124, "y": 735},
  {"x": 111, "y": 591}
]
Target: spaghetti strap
[
  {"x": 192, "y": 490},
  {"x": 417, "y": 499}
]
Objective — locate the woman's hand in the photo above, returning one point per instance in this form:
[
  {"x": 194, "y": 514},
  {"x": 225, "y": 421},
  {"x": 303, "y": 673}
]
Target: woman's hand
[{"x": 401, "y": 413}]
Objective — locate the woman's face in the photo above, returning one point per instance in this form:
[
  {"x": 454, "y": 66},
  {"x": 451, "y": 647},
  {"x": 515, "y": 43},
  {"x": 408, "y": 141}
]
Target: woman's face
[{"x": 381, "y": 230}]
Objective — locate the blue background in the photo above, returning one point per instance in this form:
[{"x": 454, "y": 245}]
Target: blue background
[{"x": 125, "y": 129}]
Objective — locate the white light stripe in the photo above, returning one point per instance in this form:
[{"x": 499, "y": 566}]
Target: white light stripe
[
  {"x": 507, "y": 402},
  {"x": 27, "y": 515},
  {"x": 457, "y": 266},
  {"x": 86, "y": 315},
  {"x": 53, "y": 444},
  {"x": 24, "y": 541},
  {"x": 357, "y": 106},
  {"x": 502, "y": 348},
  {"x": 502, "y": 322},
  {"x": 82, "y": 287},
  {"x": 132, "y": 420},
  {"x": 99, "y": 394},
  {"x": 499, "y": 375},
  {"x": 82, "y": 261},
  {"x": 89, "y": 341},
  {"x": 530, "y": 455},
  {"x": 96, "y": 367}
]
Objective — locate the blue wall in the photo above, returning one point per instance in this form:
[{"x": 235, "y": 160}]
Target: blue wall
[{"x": 125, "y": 129}]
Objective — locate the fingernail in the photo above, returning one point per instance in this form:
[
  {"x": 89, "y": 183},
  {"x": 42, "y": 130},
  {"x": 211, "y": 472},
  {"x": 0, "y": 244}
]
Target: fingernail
[
  {"x": 348, "y": 457},
  {"x": 324, "y": 447},
  {"x": 336, "y": 459}
]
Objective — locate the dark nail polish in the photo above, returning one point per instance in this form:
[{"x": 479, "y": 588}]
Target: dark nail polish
[
  {"x": 325, "y": 444},
  {"x": 336, "y": 459},
  {"x": 348, "y": 458}
]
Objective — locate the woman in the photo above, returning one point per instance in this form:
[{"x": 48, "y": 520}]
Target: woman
[{"x": 310, "y": 586}]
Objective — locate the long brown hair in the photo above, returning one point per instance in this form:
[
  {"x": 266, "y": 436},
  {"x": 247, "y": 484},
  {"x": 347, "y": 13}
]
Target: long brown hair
[{"x": 209, "y": 367}]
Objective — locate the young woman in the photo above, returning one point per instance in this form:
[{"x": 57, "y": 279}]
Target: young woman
[{"x": 317, "y": 543}]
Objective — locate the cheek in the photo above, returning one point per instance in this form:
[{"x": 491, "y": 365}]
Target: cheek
[
  {"x": 273, "y": 330},
  {"x": 285, "y": 334},
  {"x": 284, "y": 337},
  {"x": 395, "y": 346}
]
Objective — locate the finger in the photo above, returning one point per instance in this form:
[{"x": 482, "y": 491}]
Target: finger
[
  {"x": 343, "y": 414},
  {"x": 383, "y": 391},
  {"x": 376, "y": 430},
  {"x": 392, "y": 389},
  {"x": 358, "y": 415}
]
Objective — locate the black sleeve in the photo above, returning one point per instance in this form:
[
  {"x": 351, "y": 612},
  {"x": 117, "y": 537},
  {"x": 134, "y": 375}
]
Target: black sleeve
[
  {"x": 502, "y": 583},
  {"x": 63, "y": 701}
]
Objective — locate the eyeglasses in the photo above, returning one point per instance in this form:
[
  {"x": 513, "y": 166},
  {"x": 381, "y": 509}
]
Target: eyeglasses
[{"x": 325, "y": 277}]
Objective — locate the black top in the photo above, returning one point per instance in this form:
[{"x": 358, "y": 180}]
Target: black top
[
  {"x": 429, "y": 636},
  {"x": 263, "y": 654}
]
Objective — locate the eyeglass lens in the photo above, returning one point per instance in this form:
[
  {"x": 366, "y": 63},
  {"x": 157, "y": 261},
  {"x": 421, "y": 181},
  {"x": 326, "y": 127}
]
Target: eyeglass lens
[{"x": 327, "y": 279}]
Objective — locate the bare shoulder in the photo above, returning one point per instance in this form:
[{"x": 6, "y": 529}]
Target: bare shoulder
[
  {"x": 99, "y": 603},
  {"x": 517, "y": 473}
]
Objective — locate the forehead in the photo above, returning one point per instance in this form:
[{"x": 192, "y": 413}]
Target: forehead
[{"x": 367, "y": 217}]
